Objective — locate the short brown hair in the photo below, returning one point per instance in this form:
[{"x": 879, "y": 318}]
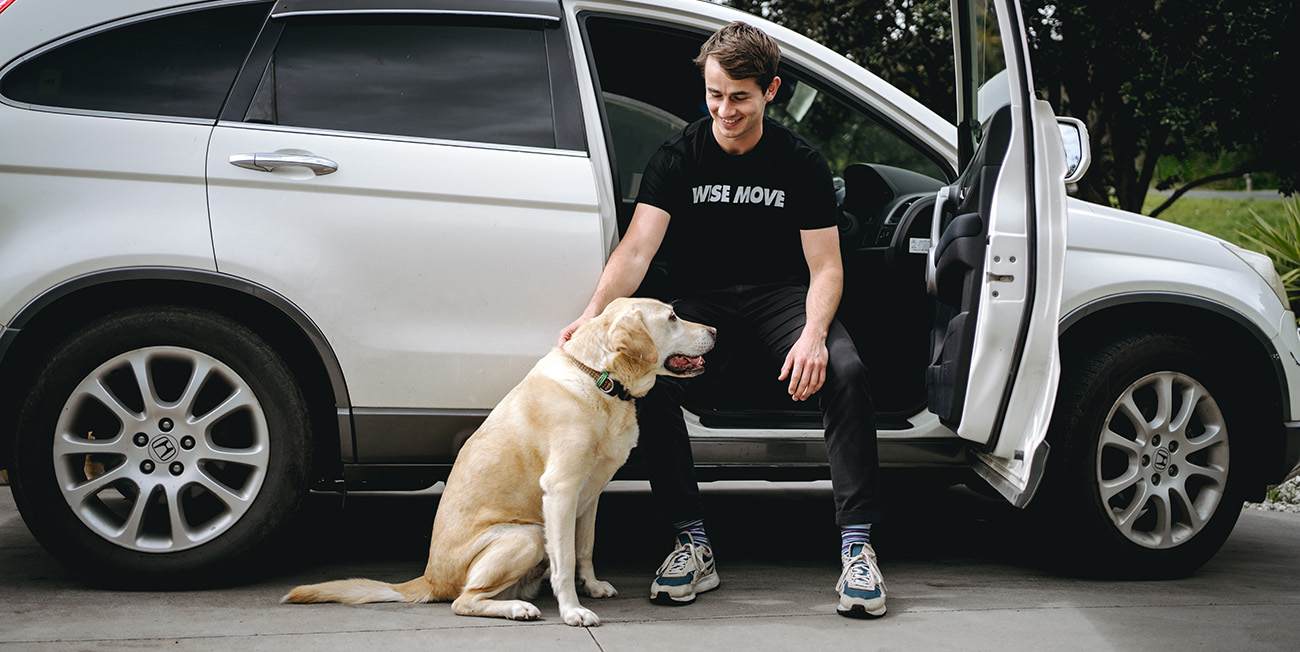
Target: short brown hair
[{"x": 743, "y": 51}]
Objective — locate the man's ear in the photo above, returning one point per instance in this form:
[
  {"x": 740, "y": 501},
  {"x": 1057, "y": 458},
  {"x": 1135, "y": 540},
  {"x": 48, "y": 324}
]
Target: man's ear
[
  {"x": 770, "y": 94},
  {"x": 630, "y": 336}
]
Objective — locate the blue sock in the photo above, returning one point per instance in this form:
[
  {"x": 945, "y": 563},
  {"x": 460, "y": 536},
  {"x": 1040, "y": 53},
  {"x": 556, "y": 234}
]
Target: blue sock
[
  {"x": 694, "y": 528},
  {"x": 851, "y": 534}
]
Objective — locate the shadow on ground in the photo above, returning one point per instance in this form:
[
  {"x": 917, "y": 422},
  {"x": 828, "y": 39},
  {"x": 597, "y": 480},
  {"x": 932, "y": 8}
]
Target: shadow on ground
[{"x": 787, "y": 524}]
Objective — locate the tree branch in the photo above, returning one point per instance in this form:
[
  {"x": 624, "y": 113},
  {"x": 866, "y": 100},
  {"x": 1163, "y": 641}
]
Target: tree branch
[{"x": 1200, "y": 182}]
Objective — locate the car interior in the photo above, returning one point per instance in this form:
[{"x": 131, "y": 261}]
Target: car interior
[{"x": 886, "y": 185}]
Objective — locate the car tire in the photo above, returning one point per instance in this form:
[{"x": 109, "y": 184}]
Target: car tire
[
  {"x": 161, "y": 446},
  {"x": 1146, "y": 444}
]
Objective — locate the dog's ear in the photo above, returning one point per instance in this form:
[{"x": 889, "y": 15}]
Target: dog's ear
[{"x": 630, "y": 336}]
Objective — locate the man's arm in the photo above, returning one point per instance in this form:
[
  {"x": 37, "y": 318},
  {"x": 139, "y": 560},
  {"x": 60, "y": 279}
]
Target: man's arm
[
  {"x": 805, "y": 365},
  {"x": 628, "y": 264}
]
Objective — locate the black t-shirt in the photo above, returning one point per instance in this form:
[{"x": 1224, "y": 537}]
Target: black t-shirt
[{"x": 736, "y": 218}]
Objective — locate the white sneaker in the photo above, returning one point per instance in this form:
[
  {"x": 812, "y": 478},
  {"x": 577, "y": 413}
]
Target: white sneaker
[
  {"x": 861, "y": 586},
  {"x": 687, "y": 571}
]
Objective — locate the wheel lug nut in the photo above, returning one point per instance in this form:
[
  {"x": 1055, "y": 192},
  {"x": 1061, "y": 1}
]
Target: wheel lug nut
[
  {"x": 1173, "y": 471},
  {"x": 141, "y": 439},
  {"x": 1173, "y": 447},
  {"x": 1155, "y": 479},
  {"x": 187, "y": 442},
  {"x": 1155, "y": 441},
  {"x": 177, "y": 468},
  {"x": 1146, "y": 460},
  {"x": 165, "y": 425},
  {"x": 146, "y": 467}
]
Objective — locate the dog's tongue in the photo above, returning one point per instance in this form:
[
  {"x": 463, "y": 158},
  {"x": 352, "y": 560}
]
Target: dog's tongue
[{"x": 684, "y": 363}]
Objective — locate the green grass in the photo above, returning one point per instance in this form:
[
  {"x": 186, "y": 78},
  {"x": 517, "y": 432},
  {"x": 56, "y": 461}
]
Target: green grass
[{"x": 1224, "y": 218}]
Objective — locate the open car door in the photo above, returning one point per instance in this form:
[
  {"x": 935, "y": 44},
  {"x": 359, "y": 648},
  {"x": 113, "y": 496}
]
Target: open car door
[{"x": 996, "y": 256}]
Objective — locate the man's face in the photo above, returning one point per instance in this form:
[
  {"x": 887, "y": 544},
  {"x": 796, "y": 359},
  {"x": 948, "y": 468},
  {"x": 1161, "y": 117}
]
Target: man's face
[{"x": 736, "y": 106}]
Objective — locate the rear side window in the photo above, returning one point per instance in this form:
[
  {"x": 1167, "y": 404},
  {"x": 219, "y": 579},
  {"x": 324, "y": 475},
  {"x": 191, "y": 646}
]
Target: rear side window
[
  {"x": 438, "y": 78},
  {"x": 179, "y": 65}
]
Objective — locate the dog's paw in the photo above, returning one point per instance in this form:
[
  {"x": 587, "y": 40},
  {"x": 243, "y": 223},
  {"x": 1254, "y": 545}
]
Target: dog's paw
[
  {"x": 520, "y": 610},
  {"x": 599, "y": 589},
  {"x": 581, "y": 617}
]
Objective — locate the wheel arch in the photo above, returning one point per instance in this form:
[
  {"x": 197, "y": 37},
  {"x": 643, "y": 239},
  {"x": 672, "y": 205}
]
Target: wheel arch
[
  {"x": 56, "y": 313},
  {"x": 1212, "y": 327}
]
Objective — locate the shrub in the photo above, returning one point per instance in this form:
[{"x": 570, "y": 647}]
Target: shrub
[{"x": 1281, "y": 243}]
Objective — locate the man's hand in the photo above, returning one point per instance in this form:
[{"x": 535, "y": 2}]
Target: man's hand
[
  {"x": 805, "y": 366},
  {"x": 628, "y": 264},
  {"x": 568, "y": 331}
]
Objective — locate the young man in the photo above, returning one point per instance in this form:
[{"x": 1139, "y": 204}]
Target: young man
[{"x": 744, "y": 212}]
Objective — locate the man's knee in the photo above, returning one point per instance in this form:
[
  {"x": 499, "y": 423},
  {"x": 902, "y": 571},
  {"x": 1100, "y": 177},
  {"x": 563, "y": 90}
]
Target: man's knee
[{"x": 844, "y": 366}]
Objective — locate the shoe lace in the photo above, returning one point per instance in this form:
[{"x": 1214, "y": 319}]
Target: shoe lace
[
  {"x": 677, "y": 562},
  {"x": 861, "y": 573}
]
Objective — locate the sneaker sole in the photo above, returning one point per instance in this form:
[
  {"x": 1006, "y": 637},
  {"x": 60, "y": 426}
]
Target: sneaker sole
[
  {"x": 664, "y": 600},
  {"x": 859, "y": 611},
  {"x": 707, "y": 584}
]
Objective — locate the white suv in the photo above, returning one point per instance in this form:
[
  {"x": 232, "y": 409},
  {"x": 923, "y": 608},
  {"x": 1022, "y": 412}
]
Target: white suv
[{"x": 250, "y": 248}]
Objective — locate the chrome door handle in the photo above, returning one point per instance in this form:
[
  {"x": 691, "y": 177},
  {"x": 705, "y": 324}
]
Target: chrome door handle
[{"x": 269, "y": 161}]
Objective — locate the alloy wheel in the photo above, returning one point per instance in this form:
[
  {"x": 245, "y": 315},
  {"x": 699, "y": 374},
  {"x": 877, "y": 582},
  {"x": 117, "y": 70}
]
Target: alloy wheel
[
  {"x": 161, "y": 449},
  {"x": 1162, "y": 460}
]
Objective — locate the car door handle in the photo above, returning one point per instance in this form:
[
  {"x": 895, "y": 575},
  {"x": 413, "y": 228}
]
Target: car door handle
[{"x": 269, "y": 161}]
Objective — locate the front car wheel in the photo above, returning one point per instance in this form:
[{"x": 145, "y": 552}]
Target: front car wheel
[
  {"x": 1148, "y": 437},
  {"x": 1162, "y": 460}
]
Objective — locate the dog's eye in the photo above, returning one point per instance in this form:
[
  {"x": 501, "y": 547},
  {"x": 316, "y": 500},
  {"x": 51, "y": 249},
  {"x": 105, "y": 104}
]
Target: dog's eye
[{"x": 672, "y": 317}]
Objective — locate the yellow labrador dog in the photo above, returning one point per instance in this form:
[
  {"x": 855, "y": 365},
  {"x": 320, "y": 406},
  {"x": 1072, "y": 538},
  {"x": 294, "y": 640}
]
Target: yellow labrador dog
[{"x": 524, "y": 487}]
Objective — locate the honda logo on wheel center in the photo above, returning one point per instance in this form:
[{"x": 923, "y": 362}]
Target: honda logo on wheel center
[{"x": 164, "y": 448}]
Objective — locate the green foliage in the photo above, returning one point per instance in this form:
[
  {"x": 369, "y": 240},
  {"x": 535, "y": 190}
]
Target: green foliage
[
  {"x": 1168, "y": 78},
  {"x": 1173, "y": 171},
  {"x": 908, "y": 43},
  {"x": 1151, "y": 78},
  {"x": 1281, "y": 243}
]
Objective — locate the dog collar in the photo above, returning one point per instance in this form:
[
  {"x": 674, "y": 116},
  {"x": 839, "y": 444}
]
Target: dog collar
[{"x": 604, "y": 383}]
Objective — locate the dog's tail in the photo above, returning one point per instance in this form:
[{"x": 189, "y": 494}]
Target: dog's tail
[{"x": 360, "y": 591}]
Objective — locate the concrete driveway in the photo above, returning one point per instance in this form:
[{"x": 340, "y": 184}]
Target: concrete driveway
[{"x": 964, "y": 573}]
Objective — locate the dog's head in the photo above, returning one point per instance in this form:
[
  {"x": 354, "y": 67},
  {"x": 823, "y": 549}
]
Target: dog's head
[{"x": 644, "y": 338}]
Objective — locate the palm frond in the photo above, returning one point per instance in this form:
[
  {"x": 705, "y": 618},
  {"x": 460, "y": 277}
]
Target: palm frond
[{"x": 1281, "y": 243}]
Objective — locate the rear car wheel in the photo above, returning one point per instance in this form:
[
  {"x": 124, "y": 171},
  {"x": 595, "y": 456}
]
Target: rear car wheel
[
  {"x": 159, "y": 446},
  {"x": 1145, "y": 440}
]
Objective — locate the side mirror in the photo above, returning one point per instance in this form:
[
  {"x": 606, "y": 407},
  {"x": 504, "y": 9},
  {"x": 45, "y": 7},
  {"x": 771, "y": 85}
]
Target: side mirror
[{"x": 1078, "y": 152}]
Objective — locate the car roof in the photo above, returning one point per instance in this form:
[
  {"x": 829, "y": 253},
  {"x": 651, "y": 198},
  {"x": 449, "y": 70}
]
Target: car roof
[
  {"x": 28, "y": 24},
  {"x": 549, "y": 9}
]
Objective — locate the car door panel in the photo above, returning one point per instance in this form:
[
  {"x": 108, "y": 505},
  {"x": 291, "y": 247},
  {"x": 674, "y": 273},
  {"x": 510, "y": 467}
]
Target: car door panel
[
  {"x": 997, "y": 257},
  {"x": 437, "y": 280},
  {"x": 413, "y": 181}
]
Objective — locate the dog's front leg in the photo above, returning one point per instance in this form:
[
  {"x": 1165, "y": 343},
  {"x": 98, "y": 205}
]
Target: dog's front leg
[
  {"x": 586, "y": 545},
  {"x": 560, "y": 509}
]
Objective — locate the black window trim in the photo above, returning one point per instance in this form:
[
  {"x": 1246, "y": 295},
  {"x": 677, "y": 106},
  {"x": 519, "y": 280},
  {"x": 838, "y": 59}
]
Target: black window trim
[
  {"x": 366, "y": 135},
  {"x": 566, "y": 103},
  {"x": 95, "y": 30}
]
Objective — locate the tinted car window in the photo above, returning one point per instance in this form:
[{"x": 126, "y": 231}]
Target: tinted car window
[
  {"x": 179, "y": 65},
  {"x": 842, "y": 132},
  {"x": 668, "y": 80},
  {"x": 431, "y": 79}
]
